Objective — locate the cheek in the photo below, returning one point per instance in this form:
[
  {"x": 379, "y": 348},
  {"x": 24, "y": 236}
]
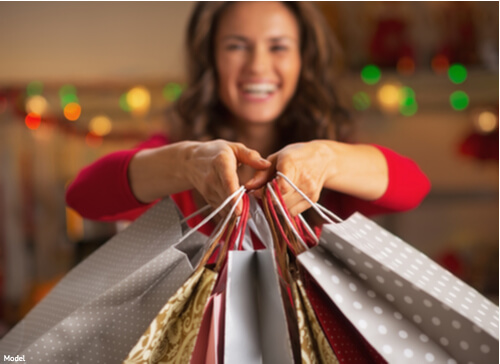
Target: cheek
[{"x": 290, "y": 70}]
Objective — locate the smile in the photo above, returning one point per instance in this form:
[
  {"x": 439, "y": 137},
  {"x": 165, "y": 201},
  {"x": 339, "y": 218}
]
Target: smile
[{"x": 259, "y": 90}]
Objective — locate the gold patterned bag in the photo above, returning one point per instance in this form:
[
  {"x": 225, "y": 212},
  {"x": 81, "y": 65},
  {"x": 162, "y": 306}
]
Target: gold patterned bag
[{"x": 171, "y": 337}]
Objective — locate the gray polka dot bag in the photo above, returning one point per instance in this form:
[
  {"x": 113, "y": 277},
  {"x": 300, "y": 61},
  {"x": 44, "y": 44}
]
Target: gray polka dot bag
[
  {"x": 102, "y": 307},
  {"x": 407, "y": 307}
]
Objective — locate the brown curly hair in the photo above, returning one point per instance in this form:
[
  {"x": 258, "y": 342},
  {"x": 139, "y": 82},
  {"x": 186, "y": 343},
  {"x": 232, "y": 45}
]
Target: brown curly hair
[{"x": 312, "y": 113}]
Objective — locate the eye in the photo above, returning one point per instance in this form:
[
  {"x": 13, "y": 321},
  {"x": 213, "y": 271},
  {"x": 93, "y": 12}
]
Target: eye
[
  {"x": 279, "y": 48},
  {"x": 235, "y": 46}
]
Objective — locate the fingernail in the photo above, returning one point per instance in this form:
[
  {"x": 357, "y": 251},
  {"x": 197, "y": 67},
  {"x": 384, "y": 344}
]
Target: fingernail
[{"x": 264, "y": 161}]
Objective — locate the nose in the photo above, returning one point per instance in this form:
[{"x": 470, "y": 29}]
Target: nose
[{"x": 259, "y": 60}]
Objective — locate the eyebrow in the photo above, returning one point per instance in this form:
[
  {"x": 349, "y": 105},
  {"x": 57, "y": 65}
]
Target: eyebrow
[{"x": 245, "y": 39}]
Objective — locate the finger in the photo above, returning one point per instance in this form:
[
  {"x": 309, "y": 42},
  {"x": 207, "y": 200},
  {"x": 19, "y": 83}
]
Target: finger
[
  {"x": 249, "y": 156},
  {"x": 299, "y": 208},
  {"x": 261, "y": 177},
  {"x": 228, "y": 185}
]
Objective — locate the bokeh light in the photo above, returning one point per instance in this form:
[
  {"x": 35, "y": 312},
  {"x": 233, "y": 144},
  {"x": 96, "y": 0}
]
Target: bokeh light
[
  {"x": 459, "y": 100},
  {"x": 139, "y": 100},
  {"x": 371, "y": 74},
  {"x": 389, "y": 96},
  {"x": 100, "y": 125},
  {"x": 440, "y": 64},
  {"x": 405, "y": 66},
  {"x": 32, "y": 121},
  {"x": 124, "y": 104},
  {"x": 172, "y": 91},
  {"x": 34, "y": 88},
  {"x": 67, "y": 94},
  {"x": 361, "y": 101},
  {"x": 36, "y": 104},
  {"x": 486, "y": 122},
  {"x": 408, "y": 105},
  {"x": 93, "y": 140},
  {"x": 72, "y": 111},
  {"x": 457, "y": 73}
]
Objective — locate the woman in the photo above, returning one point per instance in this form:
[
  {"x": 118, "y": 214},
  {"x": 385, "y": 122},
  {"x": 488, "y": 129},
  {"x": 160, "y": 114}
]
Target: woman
[{"x": 261, "y": 85}]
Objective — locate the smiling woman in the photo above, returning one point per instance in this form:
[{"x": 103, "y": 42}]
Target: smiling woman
[{"x": 261, "y": 83}]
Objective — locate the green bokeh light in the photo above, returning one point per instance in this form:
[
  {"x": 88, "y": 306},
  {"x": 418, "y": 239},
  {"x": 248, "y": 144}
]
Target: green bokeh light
[
  {"x": 408, "y": 105},
  {"x": 457, "y": 73},
  {"x": 66, "y": 99},
  {"x": 361, "y": 101},
  {"x": 459, "y": 100},
  {"x": 371, "y": 74},
  {"x": 34, "y": 88},
  {"x": 172, "y": 91},
  {"x": 124, "y": 104}
]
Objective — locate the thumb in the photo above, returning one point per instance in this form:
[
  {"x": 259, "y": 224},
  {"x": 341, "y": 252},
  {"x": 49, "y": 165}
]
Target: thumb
[
  {"x": 249, "y": 156},
  {"x": 261, "y": 177}
]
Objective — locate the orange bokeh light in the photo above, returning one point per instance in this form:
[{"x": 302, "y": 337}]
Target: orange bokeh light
[
  {"x": 72, "y": 111},
  {"x": 440, "y": 64},
  {"x": 93, "y": 140},
  {"x": 406, "y": 66},
  {"x": 33, "y": 121}
]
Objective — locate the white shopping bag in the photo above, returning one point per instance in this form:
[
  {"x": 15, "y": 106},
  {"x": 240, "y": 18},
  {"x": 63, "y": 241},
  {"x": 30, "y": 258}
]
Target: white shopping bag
[
  {"x": 100, "y": 309},
  {"x": 407, "y": 307},
  {"x": 255, "y": 323}
]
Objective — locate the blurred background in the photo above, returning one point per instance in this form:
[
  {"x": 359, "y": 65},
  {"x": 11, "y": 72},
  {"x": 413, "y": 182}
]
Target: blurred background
[{"x": 81, "y": 79}]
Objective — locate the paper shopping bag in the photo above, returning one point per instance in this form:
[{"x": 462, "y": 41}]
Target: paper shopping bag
[
  {"x": 405, "y": 305},
  {"x": 171, "y": 337},
  {"x": 101, "y": 308},
  {"x": 255, "y": 323}
]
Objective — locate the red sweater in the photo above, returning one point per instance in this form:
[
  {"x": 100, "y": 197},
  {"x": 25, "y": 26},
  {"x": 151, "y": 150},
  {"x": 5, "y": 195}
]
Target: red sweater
[{"x": 101, "y": 191}]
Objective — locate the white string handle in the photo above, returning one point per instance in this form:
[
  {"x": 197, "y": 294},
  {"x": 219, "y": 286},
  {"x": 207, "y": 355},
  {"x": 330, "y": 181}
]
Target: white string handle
[
  {"x": 187, "y": 218},
  {"x": 311, "y": 231},
  {"x": 240, "y": 192},
  {"x": 317, "y": 207},
  {"x": 282, "y": 210}
]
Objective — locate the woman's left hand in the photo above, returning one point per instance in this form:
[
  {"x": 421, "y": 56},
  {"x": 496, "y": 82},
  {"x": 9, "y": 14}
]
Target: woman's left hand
[
  {"x": 355, "y": 169},
  {"x": 307, "y": 165}
]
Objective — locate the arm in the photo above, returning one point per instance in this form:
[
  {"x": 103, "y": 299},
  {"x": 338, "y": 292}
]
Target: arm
[
  {"x": 131, "y": 180},
  {"x": 367, "y": 173}
]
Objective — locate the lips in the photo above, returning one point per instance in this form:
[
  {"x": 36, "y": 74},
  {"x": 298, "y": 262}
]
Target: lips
[{"x": 259, "y": 90}]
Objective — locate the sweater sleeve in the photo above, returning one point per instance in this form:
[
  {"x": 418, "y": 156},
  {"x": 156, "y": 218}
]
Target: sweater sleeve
[
  {"x": 101, "y": 191},
  {"x": 407, "y": 187}
]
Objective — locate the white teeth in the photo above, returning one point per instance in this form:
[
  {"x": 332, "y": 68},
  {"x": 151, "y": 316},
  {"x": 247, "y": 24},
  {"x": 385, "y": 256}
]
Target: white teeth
[{"x": 259, "y": 87}]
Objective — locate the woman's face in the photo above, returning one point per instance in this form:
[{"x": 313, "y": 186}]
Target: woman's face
[{"x": 258, "y": 59}]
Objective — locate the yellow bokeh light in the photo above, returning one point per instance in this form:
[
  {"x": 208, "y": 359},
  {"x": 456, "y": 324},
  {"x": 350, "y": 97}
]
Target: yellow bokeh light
[
  {"x": 100, "y": 125},
  {"x": 486, "y": 122},
  {"x": 139, "y": 100},
  {"x": 389, "y": 97},
  {"x": 72, "y": 111},
  {"x": 36, "y": 104}
]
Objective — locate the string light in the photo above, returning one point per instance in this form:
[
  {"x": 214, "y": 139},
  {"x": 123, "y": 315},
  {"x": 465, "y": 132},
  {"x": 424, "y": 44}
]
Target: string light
[
  {"x": 371, "y": 74},
  {"x": 93, "y": 140},
  {"x": 72, "y": 111},
  {"x": 172, "y": 91},
  {"x": 459, "y": 100},
  {"x": 405, "y": 66},
  {"x": 440, "y": 64},
  {"x": 486, "y": 122},
  {"x": 34, "y": 88},
  {"x": 100, "y": 125},
  {"x": 139, "y": 100},
  {"x": 361, "y": 101},
  {"x": 389, "y": 96},
  {"x": 408, "y": 104},
  {"x": 36, "y": 104},
  {"x": 457, "y": 73},
  {"x": 32, "y": 121}
]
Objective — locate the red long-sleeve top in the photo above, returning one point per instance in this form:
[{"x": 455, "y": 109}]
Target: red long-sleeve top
[{"x": 101, "y": 191}]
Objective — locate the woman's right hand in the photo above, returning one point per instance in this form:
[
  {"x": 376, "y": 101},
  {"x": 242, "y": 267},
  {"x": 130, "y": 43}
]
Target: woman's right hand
[
  {"x": 208, "y": 167},
  {"x": 211, "y": 168}
]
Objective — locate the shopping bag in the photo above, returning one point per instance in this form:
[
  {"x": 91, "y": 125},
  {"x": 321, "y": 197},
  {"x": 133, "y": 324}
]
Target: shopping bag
[
  {"x": 101, "y": 308},
  {"x": 406, "y": 306},
  {"x": 256, "y": 329},
  {"x": 171, "y": 337}
]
